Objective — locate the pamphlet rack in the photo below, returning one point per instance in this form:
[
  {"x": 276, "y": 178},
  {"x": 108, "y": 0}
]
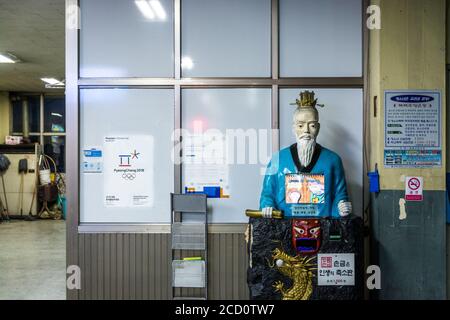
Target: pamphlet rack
[{"x": 187, "y": 273}]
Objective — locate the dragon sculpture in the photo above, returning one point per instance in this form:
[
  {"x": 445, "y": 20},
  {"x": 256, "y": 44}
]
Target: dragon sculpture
[{"x": 299, "y": 269}]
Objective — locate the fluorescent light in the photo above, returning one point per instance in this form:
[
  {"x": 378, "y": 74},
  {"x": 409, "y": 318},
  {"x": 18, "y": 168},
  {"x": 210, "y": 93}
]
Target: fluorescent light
[
  {"x": 52, "y": 81},
  {"x": 145, "y": 9},
  {"x": 187, "y": 63},
  {"x": 4, "y": 59},
  {"x": 8, "y": 58},
  {"x": 57, "y": 114},
  {"x": 158, "y": 8}
]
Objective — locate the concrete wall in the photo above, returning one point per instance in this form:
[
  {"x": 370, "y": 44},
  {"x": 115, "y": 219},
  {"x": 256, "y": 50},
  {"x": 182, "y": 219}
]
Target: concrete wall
[
  {"x": 4, "y": 115},
  {"x": 408, "y": 52}
]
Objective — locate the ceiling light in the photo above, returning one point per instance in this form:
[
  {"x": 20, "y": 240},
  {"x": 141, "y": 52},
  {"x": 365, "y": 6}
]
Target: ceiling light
[
  {"x": 158, "y": 8},
  {"x": 145, "y": 9},
  {"x": 8, "y": 58},
  {"x": 52, "y": 81}
]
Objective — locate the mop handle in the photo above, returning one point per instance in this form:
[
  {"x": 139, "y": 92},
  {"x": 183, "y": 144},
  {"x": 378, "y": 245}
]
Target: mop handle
[{"x": 4, "y": 193}]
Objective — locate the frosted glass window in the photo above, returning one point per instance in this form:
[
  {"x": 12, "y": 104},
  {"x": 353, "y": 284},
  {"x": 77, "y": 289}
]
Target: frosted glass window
[
  {"x": 226, "y": 38},
  {"x": 119, "y": 38},
  {"x": 125, "y": 113},
  {"x": 232, "y": 112},
  {"x": 320, "y": 38},
  {"x": 341, "y": 130}
]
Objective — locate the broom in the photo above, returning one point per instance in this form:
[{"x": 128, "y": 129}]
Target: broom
[
  {"x": 23, "y": 169},
  {"x": 4, "y": 165}
]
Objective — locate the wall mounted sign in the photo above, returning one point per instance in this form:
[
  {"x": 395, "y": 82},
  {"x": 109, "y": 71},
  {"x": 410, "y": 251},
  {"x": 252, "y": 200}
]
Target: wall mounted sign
[
  {"x": 414, "y": 188},
  {"x": 448, "y": 197},
  {"x": 206, "y": 169},
  {"x": 336, "y": 269},
  {"x": 412, "y": 129},
  {"x": 92, "y": 160},
  {"x": 128, "y": 171}
]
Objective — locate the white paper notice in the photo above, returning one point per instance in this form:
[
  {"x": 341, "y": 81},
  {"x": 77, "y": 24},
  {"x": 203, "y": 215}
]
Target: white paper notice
[
  {"x": 128, "y": 171},
  {"x": 205, "y": 163}
]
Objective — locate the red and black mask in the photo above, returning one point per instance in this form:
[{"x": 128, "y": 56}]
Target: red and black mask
[{"x": 306, "y": 235}]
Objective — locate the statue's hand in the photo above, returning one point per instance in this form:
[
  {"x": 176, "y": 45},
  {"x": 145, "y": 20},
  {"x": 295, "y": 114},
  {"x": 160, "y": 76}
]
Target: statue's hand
[
  {"x": 345, "y": 208},
  {"x": 267, "y": 212}
]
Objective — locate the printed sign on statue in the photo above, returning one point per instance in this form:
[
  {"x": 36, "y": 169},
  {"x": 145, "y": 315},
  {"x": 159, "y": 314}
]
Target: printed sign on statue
[{"x": 336, "y": 269}]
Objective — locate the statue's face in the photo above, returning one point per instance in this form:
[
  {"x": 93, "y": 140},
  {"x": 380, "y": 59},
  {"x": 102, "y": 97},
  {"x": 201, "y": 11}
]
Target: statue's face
[{"x": 306, "y": 124}]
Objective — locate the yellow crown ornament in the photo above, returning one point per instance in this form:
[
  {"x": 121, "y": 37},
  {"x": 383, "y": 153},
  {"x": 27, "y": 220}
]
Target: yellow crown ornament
[{"x": 307, "y": 100}]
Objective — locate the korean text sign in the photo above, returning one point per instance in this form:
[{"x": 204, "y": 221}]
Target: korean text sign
[{"x": 336, "y": 269}]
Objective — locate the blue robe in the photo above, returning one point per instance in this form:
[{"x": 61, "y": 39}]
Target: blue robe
[{"x": 324, "y": 161}]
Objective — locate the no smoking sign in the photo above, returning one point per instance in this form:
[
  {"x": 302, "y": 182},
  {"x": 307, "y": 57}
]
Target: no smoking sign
[{"x": 414, "y": 189}]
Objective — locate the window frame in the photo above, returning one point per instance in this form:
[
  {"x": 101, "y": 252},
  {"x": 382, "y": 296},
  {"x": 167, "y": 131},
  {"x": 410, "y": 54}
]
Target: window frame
[
  {"x": 74, "y": 82},
  {"x": 42, "y": 133}
]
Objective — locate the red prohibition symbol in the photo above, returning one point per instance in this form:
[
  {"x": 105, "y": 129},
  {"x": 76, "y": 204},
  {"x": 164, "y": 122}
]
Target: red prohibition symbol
[{"x": 414, "y": 184}]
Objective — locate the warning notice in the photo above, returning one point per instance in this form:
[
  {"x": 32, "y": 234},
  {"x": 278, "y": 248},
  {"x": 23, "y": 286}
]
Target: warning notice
[{"x": 414, "y": 189}]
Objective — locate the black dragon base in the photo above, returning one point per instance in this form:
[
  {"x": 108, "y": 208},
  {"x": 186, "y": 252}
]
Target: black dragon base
[{"x": 338, "y": 236}]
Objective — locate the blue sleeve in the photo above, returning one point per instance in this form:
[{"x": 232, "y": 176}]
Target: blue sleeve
[
  {"x": 269, "y": 189},
  {"x": 340, "y": 187}
]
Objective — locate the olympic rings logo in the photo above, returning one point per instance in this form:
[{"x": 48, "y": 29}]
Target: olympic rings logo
[{"x": 129, "y": 176}]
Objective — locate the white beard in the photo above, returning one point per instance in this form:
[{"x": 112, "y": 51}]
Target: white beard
[{"x": 305, "y": 149}]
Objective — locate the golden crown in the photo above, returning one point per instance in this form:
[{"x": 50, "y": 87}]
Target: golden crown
[{"x": 306, "y": 100}]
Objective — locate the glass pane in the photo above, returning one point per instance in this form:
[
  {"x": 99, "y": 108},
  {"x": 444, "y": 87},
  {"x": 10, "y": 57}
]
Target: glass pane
[
  {"x": 226, "y": 38},
  {"x": 33, "y": 113},
  {"x": 35, "y": 139},
  {"x": 126, "y": 38},
  {"x": 55, "y": 147},
  {"x": 54, "y": 114},
  {"x": 143, "y": 115},
  {"x": 341, "y": 130},
  {"x": 320, "y": 38},
  {"x": 235, "y": 125}
]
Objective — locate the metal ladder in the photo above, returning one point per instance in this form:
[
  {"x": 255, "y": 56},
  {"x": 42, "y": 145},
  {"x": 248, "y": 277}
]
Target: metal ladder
[{"x": 189, "y": 236}]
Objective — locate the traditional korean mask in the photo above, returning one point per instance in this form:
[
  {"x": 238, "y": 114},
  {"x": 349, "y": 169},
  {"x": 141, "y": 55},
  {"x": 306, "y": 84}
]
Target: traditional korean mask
[
  {"x": 306, "y": 128},
  {"x": 306, "y": 235}
]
